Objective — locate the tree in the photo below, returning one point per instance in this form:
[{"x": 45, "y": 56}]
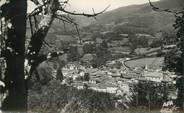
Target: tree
[
  {"x": 102, "y": 53},
  {"x": 179, "y": 26},
  {"x": 15, "y": 16},
  {"x": 14, "y": 52}
]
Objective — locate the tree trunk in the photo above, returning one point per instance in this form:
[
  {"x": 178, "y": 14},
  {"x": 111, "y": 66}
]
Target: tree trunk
[{"x": 15, "y": 48}]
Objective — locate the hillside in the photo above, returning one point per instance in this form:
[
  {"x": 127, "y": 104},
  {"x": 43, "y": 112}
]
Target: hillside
[
  {"x": 143, "y": 10},
  {"x": 140, "y": 17},
  {"x": 134, "y": 16},
  {"x": 110, "y": 26}
]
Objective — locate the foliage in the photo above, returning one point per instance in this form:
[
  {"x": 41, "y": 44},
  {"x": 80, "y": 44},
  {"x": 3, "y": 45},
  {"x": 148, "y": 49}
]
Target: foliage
[
  {"x": 156, "y": 43},
  {"x": 169, "y": 37},
  {"x": 54, "y": 97},
  {"x": 179, "y": 26},
  {"x": 102, "y": 53},
  {"x": 73, "y": 54},
  {"x": 172, "y": 61},
  {"x": 149, "y": 95},
  {"x": 89, "y": 48}
]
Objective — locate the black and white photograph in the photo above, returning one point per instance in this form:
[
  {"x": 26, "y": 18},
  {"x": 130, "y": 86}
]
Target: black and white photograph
[{"x": 91, "y": 56}]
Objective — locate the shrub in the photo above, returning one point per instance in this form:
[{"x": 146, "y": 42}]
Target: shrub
[{"x": 54, "y": 98}]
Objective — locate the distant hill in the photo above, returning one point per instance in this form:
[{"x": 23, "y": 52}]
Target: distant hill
[
  {"x": 138, "y": 10},
  {"x": 134, "y": 17},
  {"x": 140, "y": 17},
  {"x": 125, "y": 20}
]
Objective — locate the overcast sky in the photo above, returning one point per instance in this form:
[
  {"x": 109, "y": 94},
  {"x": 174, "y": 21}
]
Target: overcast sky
[
  {"x": 98, "y": 5},
  {"x": 87, "y": 5}
]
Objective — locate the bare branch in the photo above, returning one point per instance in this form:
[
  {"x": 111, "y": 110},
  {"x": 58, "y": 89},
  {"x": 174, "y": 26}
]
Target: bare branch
[
  {"x": 65, "y": 19},
  {"x": 31, "y": 26},
  {"x": 50, "y": 7},
  {"x": 69, "y": 20},
  {"x": 39, "y": 35},
  {"x": 47, "y": 44},
  {"x": 38, "y": 10},
  {"x": 36, "y": 22},
  {"x": 164, "y": 10},
  {"x": 35, "y": 1},
  {"x": 83, "y": 14},
  {"x": 94, "y": 13},
  {"x": 64, "y": 25},
  {"x": 64, "y": 3},
  {"x": 78, "y": 33}
]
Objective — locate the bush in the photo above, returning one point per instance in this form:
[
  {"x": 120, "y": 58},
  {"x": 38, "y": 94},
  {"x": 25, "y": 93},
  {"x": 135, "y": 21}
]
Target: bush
[
  {"x": 172, "y": 61},
  {"x": 148, "y": 94},
  {"x": 73, "y": 54},
  {"x": 54, "y": 98},
  {"x": 89, "y": 48}
]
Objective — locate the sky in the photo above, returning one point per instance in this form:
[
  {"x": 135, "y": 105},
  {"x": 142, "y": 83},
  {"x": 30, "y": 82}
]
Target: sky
[
  {"x": 86, "y": 6},
  {"x": 99, "y": 5}
]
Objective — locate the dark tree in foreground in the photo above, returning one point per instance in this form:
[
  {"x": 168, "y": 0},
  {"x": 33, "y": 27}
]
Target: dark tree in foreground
[
  {"x": 15, "y": 14},
  {"x": 180, "y": 38},
  {"x": 176, "y": 62}
]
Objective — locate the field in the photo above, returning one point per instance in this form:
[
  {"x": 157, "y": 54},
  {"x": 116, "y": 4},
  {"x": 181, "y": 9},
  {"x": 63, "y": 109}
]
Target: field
[{"x": 154, "y": 63}]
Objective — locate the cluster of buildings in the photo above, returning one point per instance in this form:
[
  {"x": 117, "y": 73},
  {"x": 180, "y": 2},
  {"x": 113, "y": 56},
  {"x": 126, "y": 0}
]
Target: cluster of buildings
[
  {"x": 117, "y": 80},
  {"x": 104, "y": 79}
]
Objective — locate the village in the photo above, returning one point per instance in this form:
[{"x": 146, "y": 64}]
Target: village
[{"x": 118, "y": 81}]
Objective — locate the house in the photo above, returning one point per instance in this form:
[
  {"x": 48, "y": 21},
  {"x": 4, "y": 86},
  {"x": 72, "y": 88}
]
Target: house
[
  {"x": 81, "y": 73},
  {"x": 119, "y": 92},
  {"x": 92, "y": 81},
  {"x": 154, "y": 76},
  {"x": 78, "y": 85},
  {"x": 112, "y": 90}
]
